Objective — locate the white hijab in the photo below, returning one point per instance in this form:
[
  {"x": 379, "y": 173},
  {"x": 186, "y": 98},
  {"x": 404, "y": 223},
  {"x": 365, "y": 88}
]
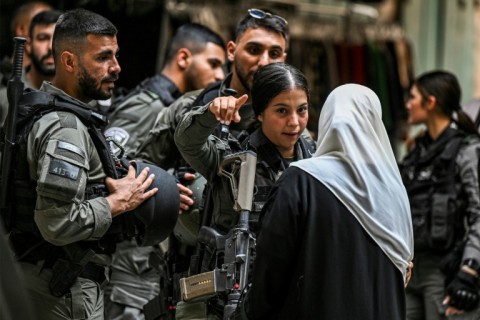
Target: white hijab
[{"x": 355, "y": 161}]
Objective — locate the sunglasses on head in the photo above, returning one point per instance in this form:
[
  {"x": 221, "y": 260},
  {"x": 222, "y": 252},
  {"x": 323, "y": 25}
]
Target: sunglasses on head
[{"x": 260, "y": 14}]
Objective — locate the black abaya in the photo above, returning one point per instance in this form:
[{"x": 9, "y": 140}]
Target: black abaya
[{"x": 315, "y": 261}]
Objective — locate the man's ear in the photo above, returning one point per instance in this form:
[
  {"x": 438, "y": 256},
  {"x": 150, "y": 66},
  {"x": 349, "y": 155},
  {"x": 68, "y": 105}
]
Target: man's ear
[
  {"x": 184, "y": 58},
  {"x": 28, "y": 46},
  {"x": 260, "y": 117},
  {"x": 69, "y": 61},
  {"x": 231, "y": 46},
  {"x": 21, "y": 30}
]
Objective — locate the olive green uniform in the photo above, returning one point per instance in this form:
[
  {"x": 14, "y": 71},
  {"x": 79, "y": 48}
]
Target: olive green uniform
[
  {"x": 62, "y": 159},
  {"x": 134, "y": 115},
  {"x": 159, "y": 146}
]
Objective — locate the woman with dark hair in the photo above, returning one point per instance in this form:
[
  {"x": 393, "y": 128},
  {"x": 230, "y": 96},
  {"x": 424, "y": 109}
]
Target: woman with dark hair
[
  {"x": 336, "y": 237},
  {"x": 280, "y": 99},
  {"x": 440, "y": 174}
]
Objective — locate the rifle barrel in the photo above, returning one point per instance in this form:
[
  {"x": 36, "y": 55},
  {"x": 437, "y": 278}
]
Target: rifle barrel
[{"x": 15, "y": 88}]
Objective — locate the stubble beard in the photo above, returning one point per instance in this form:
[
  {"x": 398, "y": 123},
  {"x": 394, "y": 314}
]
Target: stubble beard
[
  {"x": 44, "y": 70},
  {"x": 89, "y": 87},
  {"x": 242, "y": 77}
]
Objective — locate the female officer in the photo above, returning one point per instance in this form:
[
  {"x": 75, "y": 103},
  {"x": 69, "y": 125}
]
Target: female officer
[
  {"x": 280, "y": 99},
  {"x": 441, "y": 177}
]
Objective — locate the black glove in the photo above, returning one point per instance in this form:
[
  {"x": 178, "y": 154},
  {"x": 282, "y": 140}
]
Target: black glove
[
  {"x": 180, "y": 174},
  {"x": 463, "y": 291}
]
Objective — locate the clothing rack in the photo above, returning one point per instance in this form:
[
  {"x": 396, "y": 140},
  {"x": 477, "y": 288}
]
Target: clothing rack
[{"x": 366, "y": 52}]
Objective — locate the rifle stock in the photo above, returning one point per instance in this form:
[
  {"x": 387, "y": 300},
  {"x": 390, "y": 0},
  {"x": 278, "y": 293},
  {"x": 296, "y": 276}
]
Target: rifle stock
[{"x": 15, "y": 88}]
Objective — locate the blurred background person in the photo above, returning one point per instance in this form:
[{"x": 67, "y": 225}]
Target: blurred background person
[
  {"x": 441, "y": 177},
  {"x": 39, "y": 48},
  {"x": 20, "y": 27}
]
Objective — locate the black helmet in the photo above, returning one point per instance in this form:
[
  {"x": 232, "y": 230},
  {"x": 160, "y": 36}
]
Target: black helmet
[
  {"x": 157, "y": 216},
  {"x": 188, "y": 222}
]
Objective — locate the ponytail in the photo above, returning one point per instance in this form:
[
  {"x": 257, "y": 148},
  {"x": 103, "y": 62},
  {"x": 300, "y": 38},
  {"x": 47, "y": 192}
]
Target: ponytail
[{"x": 464, "y": 122}]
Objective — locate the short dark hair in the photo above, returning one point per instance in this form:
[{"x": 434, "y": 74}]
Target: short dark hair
[
  {"x": 273, "y": 79},
  {"x": 44, "y": 18},
  {"x": 74, "y": 26},
  {"x": 271, "y": 23},
  {"x": 194, "y": 37}
]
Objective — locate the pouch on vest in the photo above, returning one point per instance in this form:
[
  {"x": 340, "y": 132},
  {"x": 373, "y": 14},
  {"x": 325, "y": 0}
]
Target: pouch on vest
[
  {"x": 433, "y": 199},
  {"x": 442, "y": 230}
]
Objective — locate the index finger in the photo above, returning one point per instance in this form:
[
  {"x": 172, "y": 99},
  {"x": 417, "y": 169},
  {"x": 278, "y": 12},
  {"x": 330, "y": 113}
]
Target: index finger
[{"x": 238, "y": 104}]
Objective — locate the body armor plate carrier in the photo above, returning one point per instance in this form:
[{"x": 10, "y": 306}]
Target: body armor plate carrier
[
  {"x": 430, "y": 180},
  {"x": 19, "y": 215}
]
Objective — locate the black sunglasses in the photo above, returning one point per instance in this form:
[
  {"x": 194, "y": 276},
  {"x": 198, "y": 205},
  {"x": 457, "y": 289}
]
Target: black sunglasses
[{"x": 260, "y": 14}]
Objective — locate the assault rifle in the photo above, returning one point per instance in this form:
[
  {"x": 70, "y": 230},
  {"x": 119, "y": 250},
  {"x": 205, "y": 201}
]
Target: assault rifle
[
  {"x": 15, "y": 88},
  {"x": 233, "y": 250}
]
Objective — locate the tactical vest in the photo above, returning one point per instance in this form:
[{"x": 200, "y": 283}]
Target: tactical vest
[
  {"x": 271, "y": 161},
  {"x": 158, "y": 86},
  {"x": 20, "y": 217},
  {"x": 436, "y": 208}
]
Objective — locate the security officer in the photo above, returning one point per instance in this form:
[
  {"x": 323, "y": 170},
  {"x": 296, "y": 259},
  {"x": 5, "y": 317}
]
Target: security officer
[
  {"x": 67, "y": 195},
  {"x": 441, "y": 178}
]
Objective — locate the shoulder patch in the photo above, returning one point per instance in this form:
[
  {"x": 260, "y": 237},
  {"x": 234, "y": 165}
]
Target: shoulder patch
[
  {"x": 70, "y": 147},
  {"x": 64, "y": 169}
]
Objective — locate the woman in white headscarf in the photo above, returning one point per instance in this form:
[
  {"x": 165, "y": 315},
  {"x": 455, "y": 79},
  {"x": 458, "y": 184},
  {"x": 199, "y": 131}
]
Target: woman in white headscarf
[{"x": 336, "y": 236}]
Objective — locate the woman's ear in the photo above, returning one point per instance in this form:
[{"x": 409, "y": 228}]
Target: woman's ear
[
  {"x": 431, "y": 102},
  {"x": 260, "y": 117}
]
